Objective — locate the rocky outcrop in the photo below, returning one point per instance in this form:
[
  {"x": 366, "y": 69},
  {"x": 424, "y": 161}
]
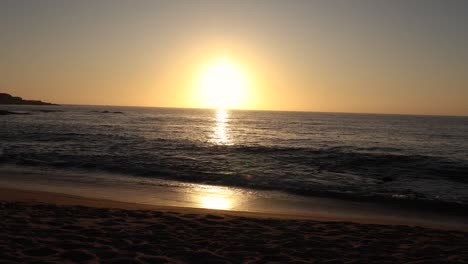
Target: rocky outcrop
[{"x": 13, "y": 100}]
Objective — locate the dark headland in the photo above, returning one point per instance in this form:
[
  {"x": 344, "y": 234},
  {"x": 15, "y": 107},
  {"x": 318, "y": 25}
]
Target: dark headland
[{"x": 6, "y": 99}]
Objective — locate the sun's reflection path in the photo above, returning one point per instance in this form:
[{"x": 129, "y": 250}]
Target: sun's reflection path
[
  {"x": 220, "y": 136},
  {"x": 216, "y": 202},
  {"x": 216, "y": 198}
]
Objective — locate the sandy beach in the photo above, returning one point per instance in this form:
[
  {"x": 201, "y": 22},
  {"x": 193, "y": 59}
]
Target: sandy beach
[
  {"x": 40, "y": 227},
  {"x": 260, "y": 131}
]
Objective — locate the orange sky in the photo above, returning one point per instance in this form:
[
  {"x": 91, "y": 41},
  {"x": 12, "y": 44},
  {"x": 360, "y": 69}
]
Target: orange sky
[{"x": 302, "y": 55}]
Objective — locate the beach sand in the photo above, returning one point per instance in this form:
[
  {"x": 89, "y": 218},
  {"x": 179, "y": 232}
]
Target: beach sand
[{"x": 40, "y": 227}]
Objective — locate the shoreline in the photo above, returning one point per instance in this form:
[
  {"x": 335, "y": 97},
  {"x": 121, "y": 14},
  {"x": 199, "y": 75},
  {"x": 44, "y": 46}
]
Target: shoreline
[
  {"x": 58, "y": 228},
  {"x": 61, "y": 199},
  {"x": 118, "y": 190}
]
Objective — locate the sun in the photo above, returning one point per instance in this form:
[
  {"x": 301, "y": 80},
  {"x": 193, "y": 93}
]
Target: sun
[{"x": 222, "y": 85}]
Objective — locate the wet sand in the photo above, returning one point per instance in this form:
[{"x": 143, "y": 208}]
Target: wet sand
[
  {"x": 104, "y": 190},
  {"x": 39, "y": 227}
]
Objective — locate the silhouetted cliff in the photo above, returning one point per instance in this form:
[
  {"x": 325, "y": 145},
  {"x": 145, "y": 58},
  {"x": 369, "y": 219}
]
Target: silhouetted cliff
[{"x": 8, "y": 99}]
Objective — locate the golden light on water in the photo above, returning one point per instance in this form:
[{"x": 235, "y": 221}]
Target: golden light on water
[
  {"x": 222, "y": 85},
  {"x": 220, "y": 135},
  {"x": 216, "y": 202},
  {"x": 216, "y": 198}
]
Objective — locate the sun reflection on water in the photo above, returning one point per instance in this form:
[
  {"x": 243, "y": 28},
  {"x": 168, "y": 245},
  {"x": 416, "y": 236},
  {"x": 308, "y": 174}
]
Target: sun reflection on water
[
  {"x": 220, "y": 136},
  {"x": 215, "y": 202},
  {"x": 216, "y": 198}
]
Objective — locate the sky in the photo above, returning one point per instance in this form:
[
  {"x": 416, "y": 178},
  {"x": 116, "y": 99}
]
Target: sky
[{"x": 403, "y": 57}]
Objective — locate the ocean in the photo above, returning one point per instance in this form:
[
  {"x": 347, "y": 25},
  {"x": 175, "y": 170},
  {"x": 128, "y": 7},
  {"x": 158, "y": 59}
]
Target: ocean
[{"x": 347, "y": 156}]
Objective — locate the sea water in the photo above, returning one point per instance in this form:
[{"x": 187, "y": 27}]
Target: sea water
[{"x": 350, "y": 156}]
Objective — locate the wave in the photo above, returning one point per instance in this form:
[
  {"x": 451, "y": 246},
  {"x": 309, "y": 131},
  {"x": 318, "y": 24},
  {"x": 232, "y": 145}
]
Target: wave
[{"x": 335, "y": 171}]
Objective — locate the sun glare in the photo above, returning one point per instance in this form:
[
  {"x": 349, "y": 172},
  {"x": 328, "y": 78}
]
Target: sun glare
[
  {"x": 222, "y": 85},
  {"x": 216, "y": 198}
]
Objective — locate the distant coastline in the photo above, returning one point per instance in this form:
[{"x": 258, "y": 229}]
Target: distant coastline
[{"x": 7, "y": 99}]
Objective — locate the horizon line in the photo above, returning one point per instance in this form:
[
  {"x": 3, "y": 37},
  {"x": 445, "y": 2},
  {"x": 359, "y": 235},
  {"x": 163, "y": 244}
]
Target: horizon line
[{"x": 266, "y": 110}]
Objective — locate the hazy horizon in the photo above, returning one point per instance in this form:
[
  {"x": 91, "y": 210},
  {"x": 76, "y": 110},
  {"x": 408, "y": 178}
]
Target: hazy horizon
[
  {"x": 384, "y": 57},
  {"x": 263, "y": 110}
]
